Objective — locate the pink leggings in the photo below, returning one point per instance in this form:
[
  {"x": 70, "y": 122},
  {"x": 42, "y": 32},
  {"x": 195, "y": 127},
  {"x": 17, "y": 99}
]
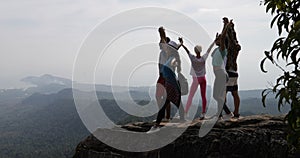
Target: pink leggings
[{"x": 197, "y": 81}]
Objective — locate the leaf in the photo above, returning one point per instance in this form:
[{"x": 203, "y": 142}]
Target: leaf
[
  {"x": 280, "y": 102},
  {"x": 279, "y": 24},
  {"x": 264, "y": 96},
  {"x": 273, "y": 9},
  {"x": 277, "y": 46},
  {"x": 279, "y": 93},
  {"x": 264, "y": 100},
  {"x": 274, "y": 19},
  {"x": 279, "y": 79},
  {"x": 269, "y": 6},
  {"x": 297, "y": 25},
  {"x": 294, "y": 57},
  {"x": 275, "y": 87},
  {"x": 286, "y": 25},
  {"x": 262, "y": 65},
  {"x": 290, "y": 49},
  {"x": 270, "y": 57}
]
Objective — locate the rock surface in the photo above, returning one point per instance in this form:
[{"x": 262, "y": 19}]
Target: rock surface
[{"x": 251, "y": 136}]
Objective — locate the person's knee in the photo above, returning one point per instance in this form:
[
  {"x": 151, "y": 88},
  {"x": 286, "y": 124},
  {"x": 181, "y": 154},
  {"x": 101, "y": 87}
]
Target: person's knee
[
  {"x": 158, "y": 97},
  {"x": 235, "y": 93},
  {"x": 191, "y": 94}
]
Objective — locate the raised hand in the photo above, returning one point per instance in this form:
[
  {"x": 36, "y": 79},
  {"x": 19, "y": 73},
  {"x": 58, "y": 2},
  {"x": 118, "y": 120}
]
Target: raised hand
[
  {"x": 162, "y": 34},
  {"x": 180, "y": 40}
]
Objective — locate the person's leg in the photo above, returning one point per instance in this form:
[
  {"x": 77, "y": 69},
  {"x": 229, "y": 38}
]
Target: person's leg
[
  {"x": 160, "y": 98},
  {"x": 179, "y": 106},
  {"x": 236, "y": 99},
  {"x": 215, "y": 88},
  {"x": 219, "y": 88},
  {"x": 193, "y": 89},
  {"x": 181, "y": 110},
  {"x": 160, "y": 91},
  {"x": 202, "y": 81},
  {"x": 161, "y": 113},
  {"x": 168, "y": 110},
  {"x": 233, "y": 87},
  {"x": 225, "y": 107}
]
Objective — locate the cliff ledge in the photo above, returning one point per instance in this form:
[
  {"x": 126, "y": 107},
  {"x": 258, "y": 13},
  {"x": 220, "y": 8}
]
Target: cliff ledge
[{"x": 251, "y": 136}]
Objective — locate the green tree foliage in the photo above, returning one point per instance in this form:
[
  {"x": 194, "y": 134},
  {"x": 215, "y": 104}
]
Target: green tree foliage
[{"x": 286, "y": 50}]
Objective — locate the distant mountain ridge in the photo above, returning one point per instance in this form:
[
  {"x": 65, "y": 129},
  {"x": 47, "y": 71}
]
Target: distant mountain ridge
[
  {"x": 51, "y": 84},
  {"x": 46, "y": 79}
]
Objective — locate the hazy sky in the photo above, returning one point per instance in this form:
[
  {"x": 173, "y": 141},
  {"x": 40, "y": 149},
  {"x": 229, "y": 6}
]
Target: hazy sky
[{"x": 39, "y": 37}]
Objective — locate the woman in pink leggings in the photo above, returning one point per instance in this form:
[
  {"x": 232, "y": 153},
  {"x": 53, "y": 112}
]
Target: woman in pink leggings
[{"x": 198, "y": 72}]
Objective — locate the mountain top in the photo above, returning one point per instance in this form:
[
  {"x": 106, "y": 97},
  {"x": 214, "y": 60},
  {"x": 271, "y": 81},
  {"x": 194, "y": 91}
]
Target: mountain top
[
  {"x": 46, "y": 79},
  {"x": 251, "y": 136}
]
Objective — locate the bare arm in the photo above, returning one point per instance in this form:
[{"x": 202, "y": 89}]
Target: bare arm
[
  {"x": 223, "y": 36},
  {"x": 180, "y": 41},
  {"x": 186, "y": 49},
  {"x": 210, "y": 47},
  {"x": 178, "y": 62},
  {"x": 162, "y": 35},
  {"x": 181, "y": 44},
  {"x": 208, "y": 50}
]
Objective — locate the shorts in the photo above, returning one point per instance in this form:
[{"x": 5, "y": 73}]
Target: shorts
[{"x": 232, "y": 84}]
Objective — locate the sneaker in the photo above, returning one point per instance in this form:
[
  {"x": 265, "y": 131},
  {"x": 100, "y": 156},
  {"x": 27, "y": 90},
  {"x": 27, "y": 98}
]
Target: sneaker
[
  {"x": 220, "y": 118},
  {"x": 203, "y": 116},
  {"x": 153, "y": 129},
  {"x": 236, "y": 116},
  {"x": 186, "y": 115},
  {"x": 228, "y": 116},
  {"x": 176, "y": 116}
]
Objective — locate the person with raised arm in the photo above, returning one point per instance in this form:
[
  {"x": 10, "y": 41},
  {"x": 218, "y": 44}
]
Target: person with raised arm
[
  {"x": 198, "y": 72},
  {"x": 219, "y": 57},
  {"x": 172, "y": 89},
  {"x": 233, "y": 48},
  {"x": 160, "y": 98}
]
